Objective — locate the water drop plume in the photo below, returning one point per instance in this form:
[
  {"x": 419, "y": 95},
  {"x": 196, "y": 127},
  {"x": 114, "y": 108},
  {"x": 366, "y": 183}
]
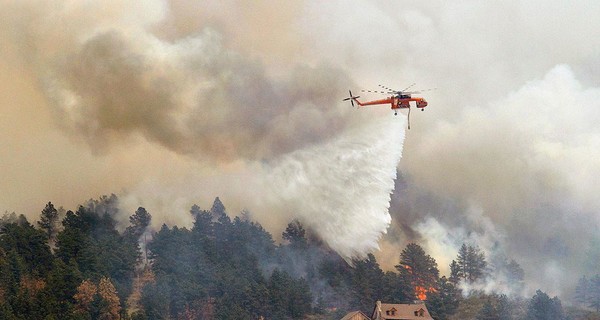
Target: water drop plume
[{"x": 341, "y": 189}]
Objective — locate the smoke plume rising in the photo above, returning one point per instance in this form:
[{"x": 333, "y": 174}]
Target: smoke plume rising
[
  {"x": 190, "y": 95},
  {"x": 111, "y": 77}
]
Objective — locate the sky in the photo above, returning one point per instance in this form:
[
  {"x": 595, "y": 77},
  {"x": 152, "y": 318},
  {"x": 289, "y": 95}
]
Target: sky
[{"x": 171, "y": 103}]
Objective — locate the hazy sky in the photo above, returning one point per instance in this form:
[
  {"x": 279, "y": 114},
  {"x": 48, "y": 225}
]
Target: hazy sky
[{"x": 169, "y": 103}]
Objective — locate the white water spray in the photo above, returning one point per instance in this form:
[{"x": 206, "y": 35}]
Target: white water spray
[{"x": 341, "y": 189}]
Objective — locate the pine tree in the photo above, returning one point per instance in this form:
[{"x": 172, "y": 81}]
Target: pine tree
[
  {"x": 515, "y": 276},
  {"x": 488, "y": 312},
  {"x": 541, "y": 307},
  {"x": 594, "y": 293},
  {"x": 455, "y": 272},
  {"x": 367, "y": 278},
  {"x": 470, "y": 263},
  {"x": 503, "y": 308},
  {"x": 419, "y": 268},
  {"x": 443, "y": 302},
  {"x": 139, "y": 221},
  {"x": 218, "y": 210},
  {"x": 49, "y": 222},
  {"x": 295, "y": 234},
  {"x": 29, "y": 244},
  {"x": 203, "y": 225}
]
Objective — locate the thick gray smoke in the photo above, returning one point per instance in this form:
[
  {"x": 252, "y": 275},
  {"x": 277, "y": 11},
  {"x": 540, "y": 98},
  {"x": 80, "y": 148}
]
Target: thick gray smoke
[{"x": 190, "y": 95}]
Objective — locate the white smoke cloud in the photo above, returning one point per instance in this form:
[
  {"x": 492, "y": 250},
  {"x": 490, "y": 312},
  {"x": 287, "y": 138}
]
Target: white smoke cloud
[{"x": 528, "y": 161}]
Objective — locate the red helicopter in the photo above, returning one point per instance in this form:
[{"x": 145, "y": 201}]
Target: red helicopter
[{"x": 399, "y": 99}]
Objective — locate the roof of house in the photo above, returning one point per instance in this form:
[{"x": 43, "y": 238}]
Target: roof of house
[
  {"x": 412, "y": 311},
  {"x": 356, "y": 315}
]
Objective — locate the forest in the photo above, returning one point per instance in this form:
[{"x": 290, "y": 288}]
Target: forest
[{"x": 82, "y": 265}]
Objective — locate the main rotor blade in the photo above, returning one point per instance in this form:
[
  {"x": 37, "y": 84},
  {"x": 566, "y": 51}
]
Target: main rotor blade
[
  {"x": 409, "y": 86},
  {"x": 417, "y": 92},
  {"x": 373, "y": 91},
  {"x": 386, "y": 88}
]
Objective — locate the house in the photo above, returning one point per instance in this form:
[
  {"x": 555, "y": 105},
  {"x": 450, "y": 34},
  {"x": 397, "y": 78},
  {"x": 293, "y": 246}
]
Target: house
[
  {"x": 393, "y": 311},
  {"x": 356, "y": 315},
  {"x": 410, "y": 311}
]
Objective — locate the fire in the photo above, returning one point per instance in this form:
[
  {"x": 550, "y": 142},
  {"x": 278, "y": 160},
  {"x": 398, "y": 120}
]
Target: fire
[{"x": 421, "y": 292}]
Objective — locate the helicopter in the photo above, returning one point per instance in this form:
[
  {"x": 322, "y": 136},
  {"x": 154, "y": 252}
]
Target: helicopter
[{"x": 399, "y": 99}]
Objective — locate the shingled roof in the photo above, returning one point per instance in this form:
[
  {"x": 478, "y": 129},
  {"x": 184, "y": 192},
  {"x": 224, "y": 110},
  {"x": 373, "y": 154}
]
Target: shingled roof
[
  {"x": 356, "y": 315},
  {"x": 411, "y": 311}
]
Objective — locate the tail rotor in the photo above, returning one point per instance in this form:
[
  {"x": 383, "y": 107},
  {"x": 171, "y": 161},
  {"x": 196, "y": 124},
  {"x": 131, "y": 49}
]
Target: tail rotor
[{"x": 351, "y": 98}]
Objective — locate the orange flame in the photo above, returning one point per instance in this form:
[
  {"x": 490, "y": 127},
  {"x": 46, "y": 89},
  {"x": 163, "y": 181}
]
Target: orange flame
[{"x": 420, "y": 291}]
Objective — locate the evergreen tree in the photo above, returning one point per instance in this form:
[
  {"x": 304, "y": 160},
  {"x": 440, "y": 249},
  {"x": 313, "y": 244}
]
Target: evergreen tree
[
  {"x": 470, "y": 263},
  {"x": 504, "y": 308},
  {"x": 420, "y": 269},
  {"x": 155, "y": 300},
  {"x": 594, "y": 293},
  {"x": 289, "y": 298},
  {"x": 443, "y": 302},
  {"x": 396, "y": 288},
  {"x": 29, "y": 244},
  {"x": 515, "y": 276},
  {"x": 218, "y": 210},
  {"x": 295, "y": 234},
  {"x": 63, "y": 280},
  {"x": 488, "y": 312},
  {"x": 587, "y": 292},
  {"x": 93, "y": 243},
  {"x": 541, "y": 307},
  {"x": 139, "y": 221},
  {"x": 49, "y": 222},
  {"x": 203, "y": 225},
  {"x": 455, "y": 272},
  {"x": 367, "y": 278}
]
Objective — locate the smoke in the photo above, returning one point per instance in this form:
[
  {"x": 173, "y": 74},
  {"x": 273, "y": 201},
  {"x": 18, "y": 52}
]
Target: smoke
[
  {"x": 191, "y": 95},
  {"x": 182, "y": 101},
  {"x": 510, "y": 135},
  {"x": 527, "y": 164},
  {"x": 282, "y": 144}
]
